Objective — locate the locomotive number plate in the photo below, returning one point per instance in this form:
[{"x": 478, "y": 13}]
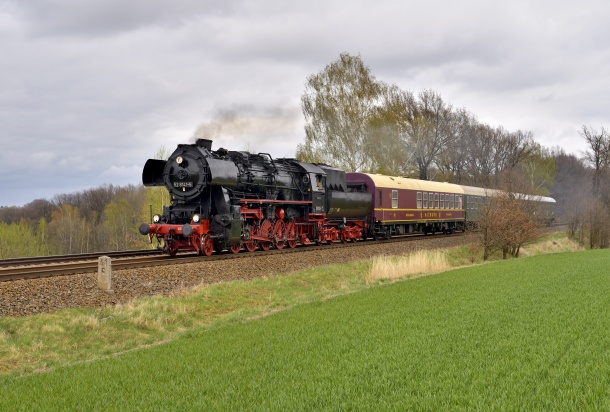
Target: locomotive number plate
[{"x": 183, "y": 184}]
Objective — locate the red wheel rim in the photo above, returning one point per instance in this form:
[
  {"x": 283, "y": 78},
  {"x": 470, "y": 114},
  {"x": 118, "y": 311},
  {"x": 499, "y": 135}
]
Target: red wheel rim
[
  {"x": 266, "y": 230},
  {"x": 235, "y": 248},
  {"x": 279, "y": 231},
  {"x": 251, "y": 245},
  {"x": 207, "y": 246},
  {"x": 291, "y": 234}
]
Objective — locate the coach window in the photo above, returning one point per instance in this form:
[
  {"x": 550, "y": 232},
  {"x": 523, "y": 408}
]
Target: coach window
[
  {"x": 425, "y": 200},
  {"x": 436, "y": 200},
  {"x": 394, "y": 199},
  {"x": 451, "y": 197},
  {"x": 419, "y": 200},
  {"x": 442, "y": 200},
  {"x": 458, "y": 200},
  {"x": 431, "y": 198}
]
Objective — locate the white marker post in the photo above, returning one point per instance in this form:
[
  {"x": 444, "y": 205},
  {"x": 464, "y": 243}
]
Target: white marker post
[{"x": 104, "y": 273}]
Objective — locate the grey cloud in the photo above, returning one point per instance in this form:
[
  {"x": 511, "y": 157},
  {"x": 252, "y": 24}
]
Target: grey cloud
[
  {"x": 109, "y": 17},
  {"x": 91, "y": 89}
]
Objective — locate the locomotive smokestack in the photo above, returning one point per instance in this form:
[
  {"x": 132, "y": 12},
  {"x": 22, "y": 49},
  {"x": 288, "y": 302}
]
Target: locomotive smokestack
[{"x": 205, "y": 143}]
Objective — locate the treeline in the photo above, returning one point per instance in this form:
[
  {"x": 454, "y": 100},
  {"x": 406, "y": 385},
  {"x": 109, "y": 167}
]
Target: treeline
[
  {"x": 355, "y": 122},
  {"x": 94, "y": 220},
  {"x": 358, "y": 123}
]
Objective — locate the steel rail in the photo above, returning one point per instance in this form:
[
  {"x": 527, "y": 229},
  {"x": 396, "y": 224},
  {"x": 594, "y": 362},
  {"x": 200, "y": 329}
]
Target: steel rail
[{"x": 37, "y": 260}]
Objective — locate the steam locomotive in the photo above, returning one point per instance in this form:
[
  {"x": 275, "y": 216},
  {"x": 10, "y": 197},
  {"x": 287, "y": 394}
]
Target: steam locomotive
[{"x": 231, "y": 200}]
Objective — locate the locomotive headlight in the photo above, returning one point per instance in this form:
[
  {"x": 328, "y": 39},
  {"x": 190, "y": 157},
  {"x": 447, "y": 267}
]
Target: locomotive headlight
[
  {"x": 179, "y": 160},
  {"x": 156, "y": 218},
  {"x": 196, "y": 218}
]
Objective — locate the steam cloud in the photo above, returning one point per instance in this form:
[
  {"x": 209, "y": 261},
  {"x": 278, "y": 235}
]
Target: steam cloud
[{"x": 245, "y": 127}]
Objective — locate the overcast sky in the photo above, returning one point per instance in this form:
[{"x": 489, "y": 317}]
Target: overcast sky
[{"x": 89, "y": 90}]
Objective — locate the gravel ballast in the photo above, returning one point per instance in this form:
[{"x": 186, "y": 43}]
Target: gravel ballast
[{"x": 27, "y": 297}]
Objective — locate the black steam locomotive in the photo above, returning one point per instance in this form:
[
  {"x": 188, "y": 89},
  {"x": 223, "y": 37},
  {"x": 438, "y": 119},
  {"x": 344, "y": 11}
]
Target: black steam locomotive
[{"x": 232, "y": 200}]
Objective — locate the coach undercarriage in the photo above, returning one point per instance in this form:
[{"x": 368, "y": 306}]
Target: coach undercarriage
[{"x": 387, "y": 230}]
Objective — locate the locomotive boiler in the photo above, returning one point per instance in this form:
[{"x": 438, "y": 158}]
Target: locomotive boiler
[{"x": 223, "y": 199}]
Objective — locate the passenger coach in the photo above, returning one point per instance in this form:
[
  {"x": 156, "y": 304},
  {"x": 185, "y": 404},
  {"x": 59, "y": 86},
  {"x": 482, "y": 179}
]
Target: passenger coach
[
  {"x": 402, "y": 205},
  {"x": 476, "y": 197}
]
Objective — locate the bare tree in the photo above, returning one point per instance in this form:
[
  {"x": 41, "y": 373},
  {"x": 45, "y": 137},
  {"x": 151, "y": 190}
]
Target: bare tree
[
  {"x": 598, "y": 155},
  {"x": 388, "y": 127},
  {"x": 451, "y": 162},
  {"x": 597, "y": 225},
  {"x": 338, "y": 103},
  {"x": 507, "y": 223},
  {"x": 429, "y": 131},
  {"x": 492, "y": 151}
]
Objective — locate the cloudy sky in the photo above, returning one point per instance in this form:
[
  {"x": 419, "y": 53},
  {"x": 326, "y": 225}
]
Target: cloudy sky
[{"x": 91, "y": 89}]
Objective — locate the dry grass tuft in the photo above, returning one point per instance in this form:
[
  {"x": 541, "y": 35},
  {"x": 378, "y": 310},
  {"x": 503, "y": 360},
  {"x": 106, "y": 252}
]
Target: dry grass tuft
[
  {"x": 53, "y": 328},
  {"x": 420, "y": 263},
  {"x": 558, "y": 245},
  {"x": 88, "y": 322}
]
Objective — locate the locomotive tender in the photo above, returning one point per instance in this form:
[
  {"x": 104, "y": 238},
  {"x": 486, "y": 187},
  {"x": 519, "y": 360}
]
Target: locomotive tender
[{"x": 232, "y": 200}]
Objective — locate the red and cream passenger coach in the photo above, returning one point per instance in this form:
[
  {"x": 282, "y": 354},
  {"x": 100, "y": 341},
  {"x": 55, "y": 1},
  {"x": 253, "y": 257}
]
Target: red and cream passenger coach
[{"x": 402, "y": 205}]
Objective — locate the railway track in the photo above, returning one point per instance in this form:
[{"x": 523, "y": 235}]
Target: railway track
[
  {"x": 29, "y": 268},
  {"x": 39, "y": 260}
]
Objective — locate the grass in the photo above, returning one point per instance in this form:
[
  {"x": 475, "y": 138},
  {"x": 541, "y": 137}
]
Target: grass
[
  {"x": 524, "y": 334},
  {"x": 43, "y": 342}
]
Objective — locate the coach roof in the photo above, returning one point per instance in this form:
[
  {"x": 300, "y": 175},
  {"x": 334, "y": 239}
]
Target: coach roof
[{"x": 393, "y": 182}]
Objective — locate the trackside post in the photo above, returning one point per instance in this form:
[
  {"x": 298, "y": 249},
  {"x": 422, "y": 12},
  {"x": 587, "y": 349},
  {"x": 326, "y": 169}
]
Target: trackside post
[{"x": 104, "y": 273}]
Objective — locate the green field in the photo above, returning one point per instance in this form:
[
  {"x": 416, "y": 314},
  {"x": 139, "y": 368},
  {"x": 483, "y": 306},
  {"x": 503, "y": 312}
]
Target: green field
[{"x": 524, "y": 334}]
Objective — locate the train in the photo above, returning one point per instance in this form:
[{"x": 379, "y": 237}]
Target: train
[{"x": 236, "y": 200}]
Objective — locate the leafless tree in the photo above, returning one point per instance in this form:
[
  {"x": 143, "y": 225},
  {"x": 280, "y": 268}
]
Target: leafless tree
[
  {"x": 429, "y": 131},
  {"x": 507, "y": 223},
  {"x": 338, "y": 103},
  {"x": 598, "y": 156},
  {"x": 388, "y": 127},
  {"x": 493, "y": 150},
  {"x": 451, "y": 162}
]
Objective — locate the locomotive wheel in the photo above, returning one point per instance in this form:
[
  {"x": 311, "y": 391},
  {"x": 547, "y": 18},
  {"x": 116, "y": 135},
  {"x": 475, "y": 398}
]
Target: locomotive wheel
[
  {"x": 266, "y": 230},
  {"x": 173, "y": 250},
  {"x": 235, "y": 248},
  {"x": 251, "y": 245},
  {"x": 291, "y": 234},
  {"x": 279, "y": 230},
  {"x": 207, "y": 245},
  {"x": 321, "y": 239}
]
